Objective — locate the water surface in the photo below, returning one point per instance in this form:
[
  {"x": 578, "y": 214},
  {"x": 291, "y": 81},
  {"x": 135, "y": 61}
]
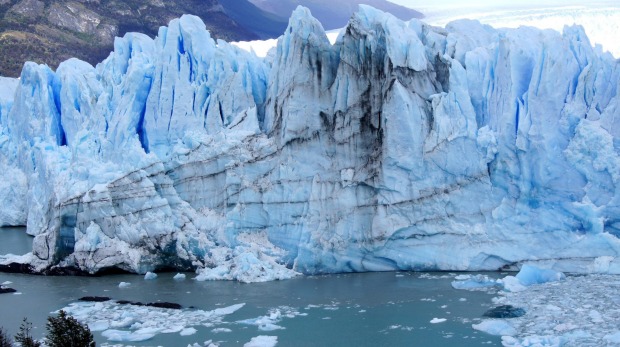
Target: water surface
[{"x": 367, "y": 309}]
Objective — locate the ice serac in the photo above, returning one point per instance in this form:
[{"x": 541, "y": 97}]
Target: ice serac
[
  {"x": 401, "y": 146},
  {"x": 13, "y": 188}
]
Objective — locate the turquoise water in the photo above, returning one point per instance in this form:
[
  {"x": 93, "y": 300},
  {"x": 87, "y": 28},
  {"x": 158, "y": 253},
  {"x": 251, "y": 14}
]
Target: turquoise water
[
  {"x": 15, "y": 241},
  {"x": 367, "y": 309}
]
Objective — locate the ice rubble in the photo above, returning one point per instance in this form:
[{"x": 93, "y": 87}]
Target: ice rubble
[
  {"x": 527, "y": 276},
  {"x": 129, "y": 323},
  {"x": 558, "y": 310},
  {"x": 270, "y": 321},
  {"x": 578, "y": 311},
  {"x": 401, "y": 146},
  {"x": 497, "y": 327}
]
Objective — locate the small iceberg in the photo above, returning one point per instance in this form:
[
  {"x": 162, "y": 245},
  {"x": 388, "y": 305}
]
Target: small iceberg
[{"x": 150, "y": 276}]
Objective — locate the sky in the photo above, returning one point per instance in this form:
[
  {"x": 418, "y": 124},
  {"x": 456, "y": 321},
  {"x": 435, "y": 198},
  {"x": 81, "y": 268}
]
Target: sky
[
  {"x": 600, "y": 18},
  {"x": 437, "y": 7},
  {"x": 420, "y": 4}
]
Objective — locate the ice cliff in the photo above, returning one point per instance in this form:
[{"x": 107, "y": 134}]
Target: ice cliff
[{"x": 401, "y": 146}]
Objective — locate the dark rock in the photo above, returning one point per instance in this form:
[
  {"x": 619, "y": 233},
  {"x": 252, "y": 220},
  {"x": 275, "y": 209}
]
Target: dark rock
[
  {"x": 170, "y": 305},
  {"x": 505, "y": 311},
  {"x": 94, "y": 298},
  {"x": 16, "y": 268},
  {"x": 5, "y": 290},
  {"x": 30, "y": 9},
  {"x": 124, "y": 302},
  {"x": 53, "y": 31},
  {"x": 65, "y": 271},
  {"x": 54, "y": 271},
  {"x": 75, "y": 17}
]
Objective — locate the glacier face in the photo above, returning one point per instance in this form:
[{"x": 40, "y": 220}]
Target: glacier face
[{"x": 401, "y": 146}]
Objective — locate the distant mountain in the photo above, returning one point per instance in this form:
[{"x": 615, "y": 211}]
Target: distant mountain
[
  {"x": 264, "y": 24},
  {"x": 334, "y": 14},
  {"x": 50, "y": 32}
]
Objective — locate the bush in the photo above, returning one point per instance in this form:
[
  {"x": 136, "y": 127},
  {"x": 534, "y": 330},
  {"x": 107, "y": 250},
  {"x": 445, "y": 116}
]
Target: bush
[
  {"x": 24, "y": 338},
  {"x": 5, "y": 341},
  {"x": 66, "y": 331}
]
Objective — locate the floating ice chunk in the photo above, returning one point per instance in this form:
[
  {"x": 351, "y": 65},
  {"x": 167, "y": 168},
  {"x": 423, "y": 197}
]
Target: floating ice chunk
[
  {"x": 274, "y": 316},
  {"x": 262, "y": 341},
  {"x": 127, "y": 336},
  {"x": 463, "y": 277},
  {"x": 565, "y": 327},
  {"x": 474, "y": 282},
  {"x": 532, "y": 275},
  {"x": 228, "y": 310},
  {"x": 188, "y": 331},
  {"x": 596, "y": 316},
  {"x": 221, "y": 330},
  {"x": 123, "y": 323},
  {"x": 497, "y": 327},
  {"x": 512, "y": 284},
  {"x": 179, "y": 277},
  {"x": 528, "y": 276},
  {"x": 173, "y": 329},
  {"x": 613, "y": 338},
  {"x": 533, "y": 341},
  {"x": 6, "y": 259},
  {"x": 99, "y": 325},
  {"x": 150, "y": 276},
  {"x": 124, "y": 284},
  {"x": 438, "y": 320},
  {"x": 208, "y": 343}
]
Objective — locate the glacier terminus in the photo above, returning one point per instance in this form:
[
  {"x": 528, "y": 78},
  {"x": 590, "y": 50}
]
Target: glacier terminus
[{"x": 401, "y": 146}]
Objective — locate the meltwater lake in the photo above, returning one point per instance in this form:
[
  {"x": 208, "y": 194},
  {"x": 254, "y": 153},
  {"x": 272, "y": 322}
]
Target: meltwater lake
[{"x": 366, "y": 309}]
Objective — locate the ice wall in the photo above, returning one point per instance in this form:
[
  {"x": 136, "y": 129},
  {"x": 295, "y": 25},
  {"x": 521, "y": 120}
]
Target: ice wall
[{"x": 401, "y": 146}]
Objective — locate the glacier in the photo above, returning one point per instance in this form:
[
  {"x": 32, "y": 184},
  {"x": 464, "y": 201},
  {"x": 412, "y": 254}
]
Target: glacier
[{"x": 402, "y": 146}]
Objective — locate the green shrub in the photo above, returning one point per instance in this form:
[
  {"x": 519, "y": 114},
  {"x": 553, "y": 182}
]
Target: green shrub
[
  {"x": 66, "y": 331},
  {"x": 5, "y": 340},
  {"x": 24, "y": 338}
]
